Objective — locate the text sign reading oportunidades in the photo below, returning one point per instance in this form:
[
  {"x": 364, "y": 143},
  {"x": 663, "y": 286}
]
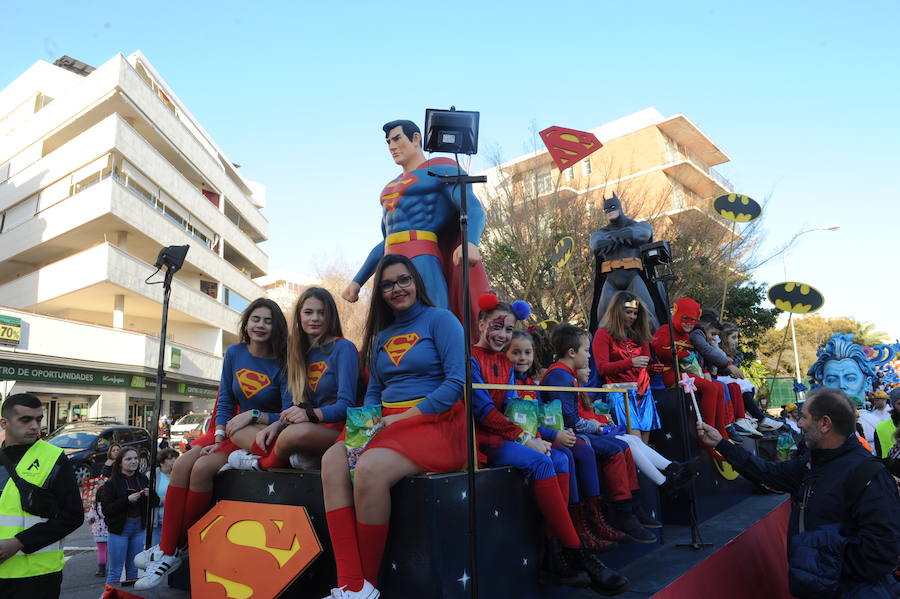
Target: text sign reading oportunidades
[{"x": 54, "y": 374}]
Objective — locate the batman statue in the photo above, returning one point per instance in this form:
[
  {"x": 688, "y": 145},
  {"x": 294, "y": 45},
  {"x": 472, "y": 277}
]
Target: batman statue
[{"x": 619, "y": 267}]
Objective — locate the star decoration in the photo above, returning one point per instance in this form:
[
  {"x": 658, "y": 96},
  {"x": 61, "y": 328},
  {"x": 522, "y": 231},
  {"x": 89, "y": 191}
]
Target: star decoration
[
  {"x": 496, "y": 513},
  {"x": 465, "y": 494},
  {"x": 464, "y": 579},
  {"x": 524, "y": 561},
  {"x": 394, "y": 566},
  {"x": 271, "y": 487},
  {"x": 669, "y": 436}
]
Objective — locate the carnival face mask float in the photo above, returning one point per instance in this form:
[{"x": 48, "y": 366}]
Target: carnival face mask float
[
  {"x": 844, "y": 365},
  {"x": 618, "y": 258}
]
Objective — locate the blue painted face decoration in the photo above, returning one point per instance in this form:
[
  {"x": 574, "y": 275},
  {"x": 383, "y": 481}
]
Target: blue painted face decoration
[{"x": 846, "y": 376}]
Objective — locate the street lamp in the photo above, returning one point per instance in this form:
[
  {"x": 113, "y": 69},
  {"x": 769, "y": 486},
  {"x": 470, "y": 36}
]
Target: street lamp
[{"x": 784, "y": 264}]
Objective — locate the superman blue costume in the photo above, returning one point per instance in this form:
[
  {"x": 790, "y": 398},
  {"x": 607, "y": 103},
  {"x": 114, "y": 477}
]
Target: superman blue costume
[{"x": 420, "y": 220}]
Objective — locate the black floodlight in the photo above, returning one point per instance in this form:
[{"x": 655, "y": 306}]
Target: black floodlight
[
  {"x": 172, "y": 257},
  {"x": 452, "y": 131},
  {"x": 657, "y": 259}
]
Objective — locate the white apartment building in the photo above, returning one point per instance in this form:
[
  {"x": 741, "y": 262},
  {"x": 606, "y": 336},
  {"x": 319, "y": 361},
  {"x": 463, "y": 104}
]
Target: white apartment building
[{"x": 99, "y": 170}]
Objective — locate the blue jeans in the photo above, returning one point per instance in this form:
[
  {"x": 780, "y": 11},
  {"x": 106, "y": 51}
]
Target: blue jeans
[{"x": 122, "y": 549}]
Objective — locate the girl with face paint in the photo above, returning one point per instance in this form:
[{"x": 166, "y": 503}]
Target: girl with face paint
[{"x": 501, "y": 442}]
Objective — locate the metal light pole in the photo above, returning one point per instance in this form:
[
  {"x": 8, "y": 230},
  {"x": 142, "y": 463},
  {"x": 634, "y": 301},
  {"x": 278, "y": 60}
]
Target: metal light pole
[{"x": 791, "y": 320}]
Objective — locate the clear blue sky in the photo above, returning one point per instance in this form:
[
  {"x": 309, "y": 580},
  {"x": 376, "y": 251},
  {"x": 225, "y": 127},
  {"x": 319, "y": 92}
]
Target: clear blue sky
[{"x": 803, "y": 96}]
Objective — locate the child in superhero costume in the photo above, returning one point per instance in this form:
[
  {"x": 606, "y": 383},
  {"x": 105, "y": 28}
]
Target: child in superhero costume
[
  {"x": 253, "y": 384},
  {"x": 685, "y": 317},
  {"x": 584, "y": 479},
  {"x": 323, "y": 371},
  {"x": 503, "y": 443},
  {"x": 621, "y": 353},
  {"x": 420, "y": 221},
  {"x": 616, "y": 463},
  {"x": 416, "y": 359}
]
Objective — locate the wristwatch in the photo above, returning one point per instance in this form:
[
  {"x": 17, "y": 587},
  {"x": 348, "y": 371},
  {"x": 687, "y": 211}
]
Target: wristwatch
[
  {"x": 311, "y": 415},
  {"x": 254, "y": 416}
]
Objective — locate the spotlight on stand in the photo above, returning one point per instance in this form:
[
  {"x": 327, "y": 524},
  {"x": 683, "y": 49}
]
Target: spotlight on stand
[
  {"x": 657, "y": 258},
  {"x": 452, "y": 131},
  {"x": 172, "y": 257}
]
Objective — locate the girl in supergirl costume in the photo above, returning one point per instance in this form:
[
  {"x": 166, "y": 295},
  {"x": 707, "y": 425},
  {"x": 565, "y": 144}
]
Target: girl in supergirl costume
[
  {"x": 686, "y": 317},
  {"x": 621, "y": 353},
  {"x": 584, "y": 479},
  {"x": 323, "y": 370},
  {"x": 253, "y": 384},
  {"x": 416, "y": 360},
  {"x": 570, "y": 344},
  {"x": 504, "y": 443}
]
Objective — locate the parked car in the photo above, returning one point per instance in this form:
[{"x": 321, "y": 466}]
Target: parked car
[
  {"x": 187, "y": 428},
  {"x": 86, "y": 445}
]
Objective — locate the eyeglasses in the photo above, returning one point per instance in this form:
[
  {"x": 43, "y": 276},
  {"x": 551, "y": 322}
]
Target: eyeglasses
[{"x": 403, "y": 281}]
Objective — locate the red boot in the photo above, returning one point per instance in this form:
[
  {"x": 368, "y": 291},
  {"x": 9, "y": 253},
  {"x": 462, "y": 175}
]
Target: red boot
[
  {"x": 588, "y": 537},
  {"x": 595, "y": 519}
]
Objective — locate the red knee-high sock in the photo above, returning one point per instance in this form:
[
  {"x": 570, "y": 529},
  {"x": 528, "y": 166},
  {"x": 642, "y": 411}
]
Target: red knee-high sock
[
  {"x": 555, "y": 511},
  {"x": 273, "y": 461},
  {"x": 633, "y": 483},
  {"x": 372, "y": 539},
  {"x": 257, "y": 450},
  {"x": 195, "y": 505},
  {"x": 173, "y": 519},
  {"x": 737, "y": 400},
  {"x": 342, "y": 529},
  {"x": 562, "y": 480},
  {"x": 616, "y": 483}
]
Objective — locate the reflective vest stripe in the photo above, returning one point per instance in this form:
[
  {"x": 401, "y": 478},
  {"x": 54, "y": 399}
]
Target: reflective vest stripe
[
  {"x": 36, "y": 467},
  {"x": 885, "y": 430}
]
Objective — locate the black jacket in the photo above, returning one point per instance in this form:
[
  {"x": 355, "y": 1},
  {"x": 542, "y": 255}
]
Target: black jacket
[
  {"x": 113, "y": 497},
  {"x": 63, "y": 487},
  {"x": 872, "y": 524}
]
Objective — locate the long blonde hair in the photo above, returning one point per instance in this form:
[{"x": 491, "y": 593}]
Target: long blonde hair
[{"x": 299, "y": 342}]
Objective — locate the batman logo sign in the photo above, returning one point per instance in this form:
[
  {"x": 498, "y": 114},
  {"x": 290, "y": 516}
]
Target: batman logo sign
[
  {"x": 798, "y": 298},
  {"x": 737, "y": 208},
  {"x": 563, "y": 251}
]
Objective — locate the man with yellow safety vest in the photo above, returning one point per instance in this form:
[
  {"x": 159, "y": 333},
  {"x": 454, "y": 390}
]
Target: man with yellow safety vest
[{"x": 34, "y": 475}]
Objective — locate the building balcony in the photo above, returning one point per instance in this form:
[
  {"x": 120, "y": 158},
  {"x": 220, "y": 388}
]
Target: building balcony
[
  {"x": 703, "y": 182},
  {"x": 85, "y": 286},
  {"x": 94, "y": 346},
  {"x": 117, "y": 88}
]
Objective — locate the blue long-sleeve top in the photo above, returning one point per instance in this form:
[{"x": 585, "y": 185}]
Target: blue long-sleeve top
[
  {"x": 560, "y": 375},
  {"x": 419, "y": 355},
  {"x": 252, "y": 383},
  {"x": 423, "y": 202},
  {"x": 332, "y": 373}
]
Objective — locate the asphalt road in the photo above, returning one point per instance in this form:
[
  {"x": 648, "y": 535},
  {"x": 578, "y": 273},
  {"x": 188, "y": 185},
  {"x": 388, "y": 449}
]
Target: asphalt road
[{"x": 79, "y": 581}]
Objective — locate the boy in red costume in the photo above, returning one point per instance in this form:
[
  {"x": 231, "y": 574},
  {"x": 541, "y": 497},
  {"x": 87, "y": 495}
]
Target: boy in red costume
[{"x": 685, "y": 318}]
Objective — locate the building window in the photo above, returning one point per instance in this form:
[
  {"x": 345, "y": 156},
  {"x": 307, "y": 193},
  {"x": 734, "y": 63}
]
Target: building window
[
  {"x": 234, "y": 300},
  {"x": 586, "y": 166},
  {"x": 210, "y": 288},
  {"x": 543, "y": 184},
  {"x": 570, "y": 174}
]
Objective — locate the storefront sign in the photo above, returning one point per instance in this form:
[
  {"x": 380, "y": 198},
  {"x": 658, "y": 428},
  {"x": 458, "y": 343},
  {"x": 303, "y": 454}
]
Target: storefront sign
[
  {"x": 54, "y": 374},
  {"x": 10, "y": 330}
]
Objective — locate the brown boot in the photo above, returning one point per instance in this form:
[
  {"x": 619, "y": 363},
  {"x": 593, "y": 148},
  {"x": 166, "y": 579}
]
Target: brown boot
[
  {"x": 594, "y": 516},
  {"x": 588, "y": 537}
]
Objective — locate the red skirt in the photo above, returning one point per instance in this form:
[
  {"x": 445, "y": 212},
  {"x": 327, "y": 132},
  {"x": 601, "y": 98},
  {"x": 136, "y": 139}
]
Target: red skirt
[{"x": 434, "y": 442}]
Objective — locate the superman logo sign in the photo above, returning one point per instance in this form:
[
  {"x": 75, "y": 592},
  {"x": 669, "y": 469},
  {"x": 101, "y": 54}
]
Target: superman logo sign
[
  {"x": 252, "y": 382},
  {"x": 393, "y": 191},
  {"x": 314, "y": 373},
  {"x": 398, "y": 345},
  {"x": 568, "y": 146},
  {"x": 234, "y": 555}
]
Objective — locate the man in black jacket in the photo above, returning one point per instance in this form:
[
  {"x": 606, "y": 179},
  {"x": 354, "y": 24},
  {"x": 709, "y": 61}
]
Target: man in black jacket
[
  {"x": 829, "y": 500},
  {"x": 31, "y": 556}
]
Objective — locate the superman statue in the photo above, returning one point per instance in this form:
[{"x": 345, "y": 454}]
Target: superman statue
[
  {"x": 420, "y": 220},
  {"x": 619, "y": 267}
]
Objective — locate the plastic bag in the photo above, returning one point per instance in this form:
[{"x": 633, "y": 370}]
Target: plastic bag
[
  {"x": 523, "y": 412},
  {"x": 551, "y": 415}
]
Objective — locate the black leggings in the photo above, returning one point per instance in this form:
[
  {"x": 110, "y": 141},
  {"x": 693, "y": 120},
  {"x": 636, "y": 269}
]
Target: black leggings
[
  {"x": 44, "y": 585},
  {"x": 751, "y": 406}
]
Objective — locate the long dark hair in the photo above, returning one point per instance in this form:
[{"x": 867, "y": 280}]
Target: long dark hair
[
  {"x": 299, "y": 342},
  {"x": 614, "y": 320},
  {"x": 380, "y": 313},
  {"x": 117, "y": 465},
  {"x": 279, "y": 336}
]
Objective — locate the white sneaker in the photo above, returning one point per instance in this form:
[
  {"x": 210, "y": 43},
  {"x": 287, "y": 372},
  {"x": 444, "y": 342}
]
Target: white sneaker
[
  {"x": 367, "y": 592},
  {"x": 301, "y": 462},
  {"x": 243, "y": 460},
  {"x": 158, "y": 571},
  {"x": 752, "y": 430},
  {"x": 148, "y": 556},
  {"x": 769, "y": 424}
]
